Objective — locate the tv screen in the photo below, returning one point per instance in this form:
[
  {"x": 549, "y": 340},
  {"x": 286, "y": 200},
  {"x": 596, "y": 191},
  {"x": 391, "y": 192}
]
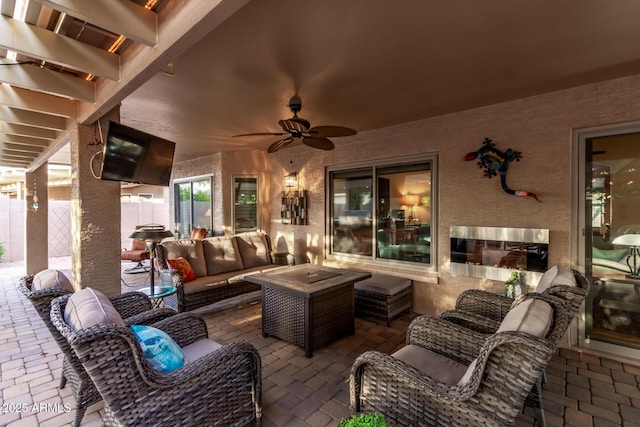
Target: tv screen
[{"x": 134, "y": 156}]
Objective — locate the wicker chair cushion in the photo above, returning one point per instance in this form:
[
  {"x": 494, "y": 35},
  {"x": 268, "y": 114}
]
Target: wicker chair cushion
[
  {"x": 200, "y": 348},
  {"x": 432, "y": 364},
  {"x": 221, "y": 255},
  {"x": 254, "y": 249},
  {"x": 556, "y": 275},
  {"x": 546, "y": 279},
  {"x": 191, "y": 250},
  {"x": 51, "y": 279},
  {"x": 183, "y": 266},
  {"x": 564, "y": 277},
  {"x": 89, "y": 307},
  {"x": 383, "y": 284},
  {"x": 532, "y": 316},
  {"x": 162, "y": 353}
]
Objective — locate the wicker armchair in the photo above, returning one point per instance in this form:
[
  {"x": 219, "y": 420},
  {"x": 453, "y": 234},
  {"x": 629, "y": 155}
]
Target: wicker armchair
[
  {"x": 508, "y": 365},
  {"x": 494, "y": 306},
  {"x": 487, "y": 326},
  {"x": 221, "y": 388},
  {"x": 133, "y": 307},
  {"x": 483, "y": 311}
]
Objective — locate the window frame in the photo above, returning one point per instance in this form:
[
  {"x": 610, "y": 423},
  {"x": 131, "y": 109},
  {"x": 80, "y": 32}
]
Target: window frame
[
  {"x": 233, "y": 203},
  {"x": 431, "y": 158}
]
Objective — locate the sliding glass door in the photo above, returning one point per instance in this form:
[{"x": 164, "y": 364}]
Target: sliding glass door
[
  {"x": 610, "y": 206},
  {"x": 192, "y": 205}
]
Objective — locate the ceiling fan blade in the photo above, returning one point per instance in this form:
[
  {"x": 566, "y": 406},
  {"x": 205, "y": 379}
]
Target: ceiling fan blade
[
  {"x": 279, "y": 145},
  {"x": 318, "y": 142},
  {"x": 324, "y": 131},
  {"x": 261, "y": 134}
]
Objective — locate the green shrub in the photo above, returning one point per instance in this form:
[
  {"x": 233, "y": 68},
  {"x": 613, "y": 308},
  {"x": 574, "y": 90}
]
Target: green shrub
[
  {"x": 1, "y": 251},
  {"x": 364, "y": 420}
]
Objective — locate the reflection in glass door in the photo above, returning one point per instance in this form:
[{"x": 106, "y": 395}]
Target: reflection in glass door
[{"x": 611, "y": 210}]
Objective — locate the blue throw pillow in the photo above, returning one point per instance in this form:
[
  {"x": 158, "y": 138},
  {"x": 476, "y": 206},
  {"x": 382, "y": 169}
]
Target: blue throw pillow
[{"x": 159, "y": 349}]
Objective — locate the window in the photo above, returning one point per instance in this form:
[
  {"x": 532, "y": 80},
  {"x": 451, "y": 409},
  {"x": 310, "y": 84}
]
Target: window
[
  {"x": 383, "y": 211},
  {"x": 192, "y": 205},
  {"x": 245, "y": 203}
]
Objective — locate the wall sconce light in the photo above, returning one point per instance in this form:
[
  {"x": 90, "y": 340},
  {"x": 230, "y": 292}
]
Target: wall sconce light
[
  {"x": 35, "y": 197},
  {"x": 291, "y": 179}
]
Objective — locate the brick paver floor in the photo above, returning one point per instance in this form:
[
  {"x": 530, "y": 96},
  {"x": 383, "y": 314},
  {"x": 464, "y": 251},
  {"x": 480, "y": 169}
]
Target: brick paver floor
[{"x": 581, "y": 389}]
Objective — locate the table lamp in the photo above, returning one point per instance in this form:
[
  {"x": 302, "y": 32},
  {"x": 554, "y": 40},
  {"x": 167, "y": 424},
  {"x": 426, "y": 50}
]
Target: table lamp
[
  {"x": 152, "y": 235},
  {"x": 633, "y": 241}
]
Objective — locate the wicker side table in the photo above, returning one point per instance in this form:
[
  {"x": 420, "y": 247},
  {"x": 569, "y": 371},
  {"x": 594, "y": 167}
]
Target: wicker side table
[{"x": 383, "y": 297}]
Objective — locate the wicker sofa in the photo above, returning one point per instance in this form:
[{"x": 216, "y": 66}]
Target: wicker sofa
[{"x": 219, "y": 263}]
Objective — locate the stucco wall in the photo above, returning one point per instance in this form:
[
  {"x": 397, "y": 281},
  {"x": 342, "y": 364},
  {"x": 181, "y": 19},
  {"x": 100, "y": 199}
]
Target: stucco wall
[
  {"x": 223, "y": 166},
  {"x": 540, "y": 127}
]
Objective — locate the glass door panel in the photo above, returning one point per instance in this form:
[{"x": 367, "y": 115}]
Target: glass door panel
[
  {"x": 183, "y": 210},
  {"x": 612, "y": 209}
]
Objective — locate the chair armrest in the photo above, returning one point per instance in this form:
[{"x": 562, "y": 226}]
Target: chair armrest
[
  {"x": 131, "y": 303},
  {"x": 170, "y": 277},
  {"x": 471, "y": 321},
  {"x": 389, "y": 372},
  {"x": 150, "y": 317},
  {"x": 483, "y": 303},
  {"x": 184, "y": 328},
  {"x": 445, "y": 338}
]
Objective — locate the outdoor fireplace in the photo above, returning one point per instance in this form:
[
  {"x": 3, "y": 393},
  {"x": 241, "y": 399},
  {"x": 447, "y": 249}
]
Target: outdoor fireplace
[{"x": 495, "y": 252}]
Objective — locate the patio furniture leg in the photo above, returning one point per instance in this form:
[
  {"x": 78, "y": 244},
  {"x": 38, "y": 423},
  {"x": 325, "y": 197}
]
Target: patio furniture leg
[
  {"x": 80, "y": 410},
  {"x": 540, "y": 417}
]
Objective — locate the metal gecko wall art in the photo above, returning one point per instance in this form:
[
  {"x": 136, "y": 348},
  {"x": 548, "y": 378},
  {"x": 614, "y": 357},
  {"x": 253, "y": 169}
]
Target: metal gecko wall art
[{"x": 495, "y": 162}]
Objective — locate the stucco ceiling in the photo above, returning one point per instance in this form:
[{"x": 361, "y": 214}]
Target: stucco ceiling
[{"x": 364, "y": 64}]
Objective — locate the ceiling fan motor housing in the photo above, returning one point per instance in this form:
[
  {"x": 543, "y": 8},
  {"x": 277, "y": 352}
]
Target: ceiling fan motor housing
[
  {"x": 295, "y": 104},
  {"x": 295, "y": 125}
]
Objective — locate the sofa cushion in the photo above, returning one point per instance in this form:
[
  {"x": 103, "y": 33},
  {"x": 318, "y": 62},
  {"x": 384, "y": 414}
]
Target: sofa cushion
[
  {"x": 532, "y": 316},
  {"x": 89, "y": 307},
  {"x": 210, "y": 282},
  {"x": 183, "y": 266},
  {"x": 254, "y": 249},
  {"x": 162, "y": 352},
  {"x": 221, "y": 255},
  {"x": 51, "y": 279},
  {"x": 191, "y": 250},
  {"x": 432, "y": 364}
]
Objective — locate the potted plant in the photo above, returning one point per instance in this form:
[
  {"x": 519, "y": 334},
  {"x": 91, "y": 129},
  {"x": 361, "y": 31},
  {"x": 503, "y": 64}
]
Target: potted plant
[{"x": 364, "y": 420}]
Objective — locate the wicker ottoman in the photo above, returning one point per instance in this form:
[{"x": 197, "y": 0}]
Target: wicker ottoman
[{"x": 383, "y": 297}]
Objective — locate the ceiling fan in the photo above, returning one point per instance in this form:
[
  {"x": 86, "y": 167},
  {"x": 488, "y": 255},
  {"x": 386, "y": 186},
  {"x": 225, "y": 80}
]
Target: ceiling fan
[{"x": 297, "y": 127}]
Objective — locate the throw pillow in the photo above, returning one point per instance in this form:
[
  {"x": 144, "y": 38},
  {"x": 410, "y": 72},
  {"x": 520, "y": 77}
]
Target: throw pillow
[
  {"x": 532, "y": 316},
  {"x": 89, "y": 307},
  {"x": 564, "y": 277},
  {"x": 546, "y": 279},
  {"x": 183, "y": 266},
  {"x": 611, "y": 254},
  {"x": 51, "y": 279},
  {"x": 162, "y": 353}
]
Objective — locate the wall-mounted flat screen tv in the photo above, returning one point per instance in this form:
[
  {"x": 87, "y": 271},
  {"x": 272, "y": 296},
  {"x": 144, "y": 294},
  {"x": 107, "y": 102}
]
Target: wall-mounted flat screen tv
[{"x": 131, "y": 155}]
